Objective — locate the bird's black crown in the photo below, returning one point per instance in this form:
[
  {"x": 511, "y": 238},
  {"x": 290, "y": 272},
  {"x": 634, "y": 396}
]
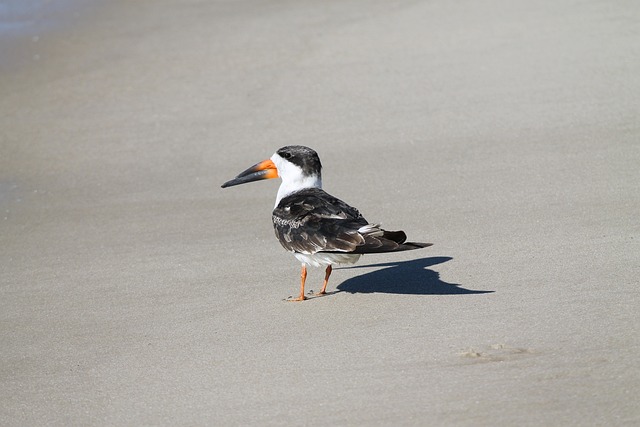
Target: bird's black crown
[{"x": 304, "y": 157}]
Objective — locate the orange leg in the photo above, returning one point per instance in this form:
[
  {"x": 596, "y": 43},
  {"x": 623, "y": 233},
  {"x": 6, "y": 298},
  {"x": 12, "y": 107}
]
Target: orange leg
[
  {"x": 326, "y": 280},
  {"x": 303, "y": 278}
]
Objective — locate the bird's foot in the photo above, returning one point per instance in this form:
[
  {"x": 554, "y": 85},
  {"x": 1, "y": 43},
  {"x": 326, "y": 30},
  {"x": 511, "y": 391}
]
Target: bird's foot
[{"x": 300, "y": 298}]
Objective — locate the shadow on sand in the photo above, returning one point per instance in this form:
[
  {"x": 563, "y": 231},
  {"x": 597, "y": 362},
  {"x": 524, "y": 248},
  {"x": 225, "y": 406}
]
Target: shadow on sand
[{"x": 407, "y": 277}]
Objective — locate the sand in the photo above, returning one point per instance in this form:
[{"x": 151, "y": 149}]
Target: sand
[{"x": 135, "y": 291}]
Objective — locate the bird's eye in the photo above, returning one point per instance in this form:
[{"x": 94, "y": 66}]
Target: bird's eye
[{"x": 285, "y": 155}]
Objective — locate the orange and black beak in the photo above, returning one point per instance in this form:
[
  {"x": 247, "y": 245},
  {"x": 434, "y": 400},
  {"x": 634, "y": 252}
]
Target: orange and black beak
[{"x": 263, "y": 170}]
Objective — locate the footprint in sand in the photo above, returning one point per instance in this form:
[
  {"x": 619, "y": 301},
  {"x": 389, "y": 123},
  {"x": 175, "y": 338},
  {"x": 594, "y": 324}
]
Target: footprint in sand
[{"x": 495, "y": 353}]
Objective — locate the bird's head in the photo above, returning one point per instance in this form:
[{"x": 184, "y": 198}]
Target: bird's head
[{"x": 298, "y": 166}]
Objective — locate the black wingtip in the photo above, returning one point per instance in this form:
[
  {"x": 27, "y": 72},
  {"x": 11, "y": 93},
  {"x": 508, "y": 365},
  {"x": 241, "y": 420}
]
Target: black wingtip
[
  {"x": 396, "y": 236},
  {"x": 418, "y": 245}
]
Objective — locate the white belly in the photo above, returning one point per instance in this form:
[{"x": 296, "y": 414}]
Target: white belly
[{"x": 324, "y": 259}]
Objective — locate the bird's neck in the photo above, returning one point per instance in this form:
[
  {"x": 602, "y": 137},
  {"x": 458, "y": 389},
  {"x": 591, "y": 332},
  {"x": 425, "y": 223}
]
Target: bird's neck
[{"x": 291, "y": 186}]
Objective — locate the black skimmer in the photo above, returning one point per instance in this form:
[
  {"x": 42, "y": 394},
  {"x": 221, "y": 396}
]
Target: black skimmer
[{"x": 319, "y": 229}]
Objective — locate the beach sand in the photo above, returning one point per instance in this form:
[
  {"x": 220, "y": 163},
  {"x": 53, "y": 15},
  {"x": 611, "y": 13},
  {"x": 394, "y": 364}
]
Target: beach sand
[{"x": 135, "y": 291}]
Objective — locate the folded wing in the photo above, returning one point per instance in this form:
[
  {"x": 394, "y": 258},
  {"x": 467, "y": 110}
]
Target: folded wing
[{"x": 311, "y": 221}]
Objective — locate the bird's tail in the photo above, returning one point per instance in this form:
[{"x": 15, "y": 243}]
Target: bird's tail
[
  {"x": 408, "y": 246},
  {"x": 401, "y": 239},
  {"x": 378, "y": 240}
]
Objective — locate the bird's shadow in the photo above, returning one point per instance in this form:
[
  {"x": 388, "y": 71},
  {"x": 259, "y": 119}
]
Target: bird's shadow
[{"x": 405, "y": 277}]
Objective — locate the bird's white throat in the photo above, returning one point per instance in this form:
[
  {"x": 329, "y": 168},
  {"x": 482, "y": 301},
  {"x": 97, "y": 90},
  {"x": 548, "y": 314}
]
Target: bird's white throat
[{"x": 293, "y": 178}]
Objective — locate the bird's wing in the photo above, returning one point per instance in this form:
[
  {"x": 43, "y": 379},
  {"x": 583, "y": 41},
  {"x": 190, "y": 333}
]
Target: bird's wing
[
  {"x": 377, "y": 240},
  {"x": 311, "y": 221}
]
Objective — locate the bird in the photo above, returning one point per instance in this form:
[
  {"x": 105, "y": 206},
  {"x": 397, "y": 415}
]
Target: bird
[{"x": 318, "y": 228}]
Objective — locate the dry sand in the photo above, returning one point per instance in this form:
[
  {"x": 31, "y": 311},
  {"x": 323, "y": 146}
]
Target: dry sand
[{"x": 135, "y": 291}]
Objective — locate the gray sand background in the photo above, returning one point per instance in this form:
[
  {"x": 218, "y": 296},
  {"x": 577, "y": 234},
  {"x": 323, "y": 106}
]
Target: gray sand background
[{"x": 135, "y": 291}]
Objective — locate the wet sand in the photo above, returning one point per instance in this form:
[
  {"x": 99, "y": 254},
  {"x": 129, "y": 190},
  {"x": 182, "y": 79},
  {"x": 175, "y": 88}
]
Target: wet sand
[{"x": 134, "y": 290}]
